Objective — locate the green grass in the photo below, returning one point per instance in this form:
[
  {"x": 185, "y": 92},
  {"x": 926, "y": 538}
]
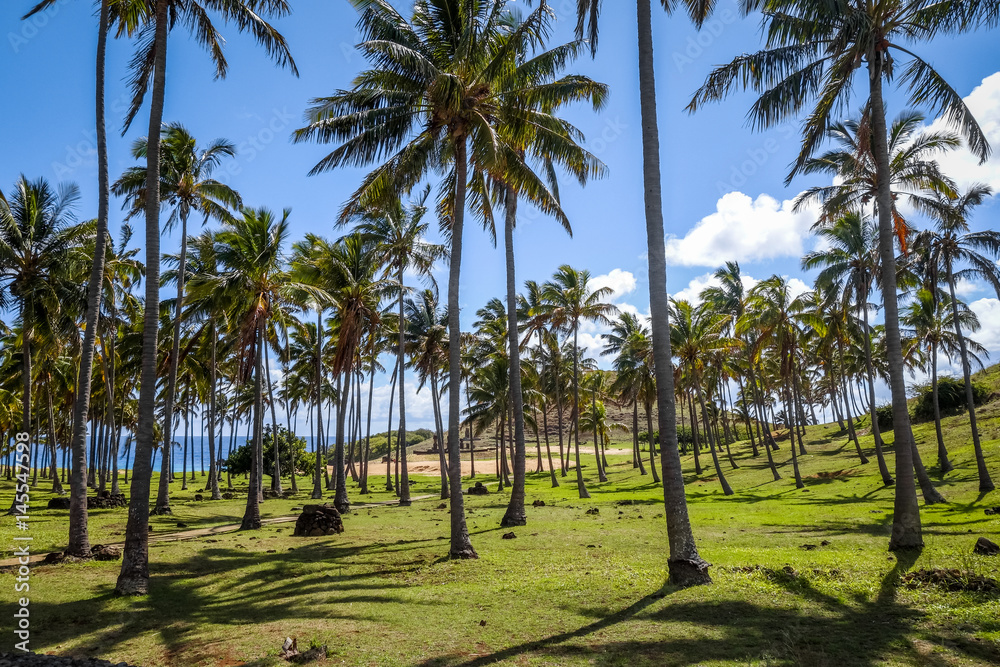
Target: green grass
[{"x": 572, "y": 589}]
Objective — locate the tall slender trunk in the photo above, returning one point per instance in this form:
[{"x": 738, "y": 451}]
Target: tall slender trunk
[
  {"x": 79, "y": 542},
  {"x": 757, "y": 400},
  {"x": 906, "y": 529},
  {"x": 317, "y": 491},
  {"x": 53, "y": 457},
  {"x": 515, "y": 514},
  {"x": 472, "y": 436},
  {"x": 163, "y": 493},
  {"x": 439, "y": 426},
  {"x": 548, "y": 448},
  {"x": 943, "y": 463},
  {"x": 789, "y": 425},
  {"x": 726, "y": 489},
  {"x": 882, "y": 467},
  {"x": 184, "y": 449},
  {"x": 251, "y": 517},
  {"x": 852, "y": 434},
  {"x": 576, "y": 412},
  {"x": 368, "y": 428},
  {"x": 388, "y": 431},
  {"x": 276, "y": 478},
  {"x": 340, "y": 499},
  {"x": 985, "y": 482},
  {"x": 461, "y": 545},
  {"x": 597, "y": 445},
  {"x": 635, "y": 436},
  {"x": 685, "y": 566},
  {"x": 213, "y": 474},
  {"x": 403, "y": 481},
  {"x": 695, "y": 445},
  {"x": 559, "y": 421},
  {"x": 134, "y": 576},
  {"x": 651, "y": 441}
]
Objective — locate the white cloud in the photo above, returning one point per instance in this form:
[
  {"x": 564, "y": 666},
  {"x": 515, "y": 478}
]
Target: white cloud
[
  {"x": 966, "y": 288},
  {"x": 622, "y": 282},
  {"x": 984, "y": 102},
  {"x": 692, "y": 293},
  {"x": 743, "y": 229},
  {"x": 988, "y": 311}
]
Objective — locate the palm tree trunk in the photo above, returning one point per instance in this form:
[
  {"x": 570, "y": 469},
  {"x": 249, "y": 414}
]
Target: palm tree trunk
[
  {"x": 931, "y": 495},
  {"x": 559, "y": 422},
  {"x": 276, "y": 479},
  {"x": 883, "y": 469},
  {"x": 576, "y": 412},
  {"x": 765, "y": 435},
  {"x": 79, "y": 543},
  {"x": 695, "y": 445},
  {"x": 985, "y": 482},
  {"x": 548, "y": 449},
  {"x": 317, "y": 491},
  {"x": 791, "y": 435},
  {"x": 685, "y": 566},
  {"x": 403, "y": 484},
  {"x": 439, "y": 426},
  {"x": 852, "y": 434},
  {"x": 906, "y": 530},
  {"x": 515, "y": 514},
  {"x": 943, "y": 463},
  {"x": 539, "y": 466},
  {"x": 472, "y": 436},
  {"x": 340, "y": 500},
  {"x": 163, "y": 494},
  {"x": 388, "y": 430},
  {"x": 53, "y": 469},
  {"x": 650, "y": 440},
  {"x": 726, "y": 489},
  {"x": 368, "y": 429},
  {"x": 213, "y": 475},
  {"x": 461, "y": 545},
  {"x": 134, "y": 576},
  {"x": 635, "y": 437},
  {"x": 251, "y": 517}
]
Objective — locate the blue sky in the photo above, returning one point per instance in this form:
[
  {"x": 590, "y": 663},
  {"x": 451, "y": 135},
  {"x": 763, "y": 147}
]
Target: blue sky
[{"x": 723, "y": 189}]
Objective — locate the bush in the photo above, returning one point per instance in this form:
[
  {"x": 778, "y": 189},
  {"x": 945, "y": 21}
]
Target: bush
[
  {"x": 951, "y": 397},
  {"x": 884, "y": 415},
  {"x": 239, "y": 461}
]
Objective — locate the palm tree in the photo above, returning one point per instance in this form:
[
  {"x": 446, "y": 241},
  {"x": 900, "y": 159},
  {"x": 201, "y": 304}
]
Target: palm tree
[
  {"x": 696, "y": 334},
  {"x": 812, "y": 51},
  {"x": 357, "y": 294},
  {"x": 849, "y": 265},
  {"x": 152, "y": 21},
  {"x": 187, "y": 186},
  {"x": 629, "y": 340},
  {"x": 931, "y": 321},
  {"x": 686, "y": 567},
  {"x": 399, "y": 231},
  {"x": 951, "y": 242},
  {"x": 570, "y": 301},
  {"x": 431, "y": 97},
  {"x": 913, "y": 171},
  {"x": 38, "y": 243},
  {"x": 252, "y": 283},
  {"x": 79, "y": 542}
]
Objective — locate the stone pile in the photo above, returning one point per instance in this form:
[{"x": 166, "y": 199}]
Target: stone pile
[
  {"x": 478, "y": 490},
  {"x": 317, "y": 520}
]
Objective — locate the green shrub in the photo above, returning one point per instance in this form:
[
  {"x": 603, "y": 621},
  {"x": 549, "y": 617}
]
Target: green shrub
[
  {"x": 951, "y": 397},
  {"x": 239, "y": 461},
  {"x": 884, "y": 414}
]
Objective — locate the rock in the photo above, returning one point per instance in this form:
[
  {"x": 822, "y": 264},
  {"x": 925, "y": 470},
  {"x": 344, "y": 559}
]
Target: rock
[
  {"x": 198, "y": 496},
  {"x": 105, "y": 552},
  {"x": 60, "y": 503},
  {"x": 508, "y": 536},
  {"x": 107, "y": 500},
  {"x": 227, "y": 496},
  {"x": 990, "y": 511},
  {"x": 478, "y": 490},
  {"x": 985, "y": 547},
  {"x": 593, "y": 510},
  {"x": 538, "y": 503},
  {"x": 443, "y": 506},
  {"x": 808, "y": 547},
  {"x": 317, "y": 520},
  {"x": 825, "y": 543},
  {"x": 181, "y": 524}
]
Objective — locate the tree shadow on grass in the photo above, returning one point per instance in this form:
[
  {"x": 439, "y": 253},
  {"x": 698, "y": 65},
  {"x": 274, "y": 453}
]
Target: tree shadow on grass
[
  {"x": 246, "y": 589},
  {"x": 803, "y": 626}
]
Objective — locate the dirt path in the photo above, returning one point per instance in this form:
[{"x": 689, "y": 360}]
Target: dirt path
[{"x": 213, "y": 530}]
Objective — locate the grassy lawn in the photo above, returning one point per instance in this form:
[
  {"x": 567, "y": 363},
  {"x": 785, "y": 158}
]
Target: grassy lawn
[{"x": 572, "y": 588}]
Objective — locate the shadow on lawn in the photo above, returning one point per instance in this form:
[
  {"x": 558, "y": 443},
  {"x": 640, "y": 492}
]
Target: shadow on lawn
[
  {"x": 829, "y": 631},
  {"x": 252, "y": 588}
]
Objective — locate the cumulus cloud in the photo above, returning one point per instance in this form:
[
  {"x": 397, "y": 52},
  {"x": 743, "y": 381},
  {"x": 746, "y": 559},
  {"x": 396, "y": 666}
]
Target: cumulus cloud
[
  {"x": 988, "y": 311},
  {"x": 621, "y": 282},
  {"x": 984, "y": 102},
  {"x": 692, "y": 293},
  {"x": 743, "y": 229}
]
